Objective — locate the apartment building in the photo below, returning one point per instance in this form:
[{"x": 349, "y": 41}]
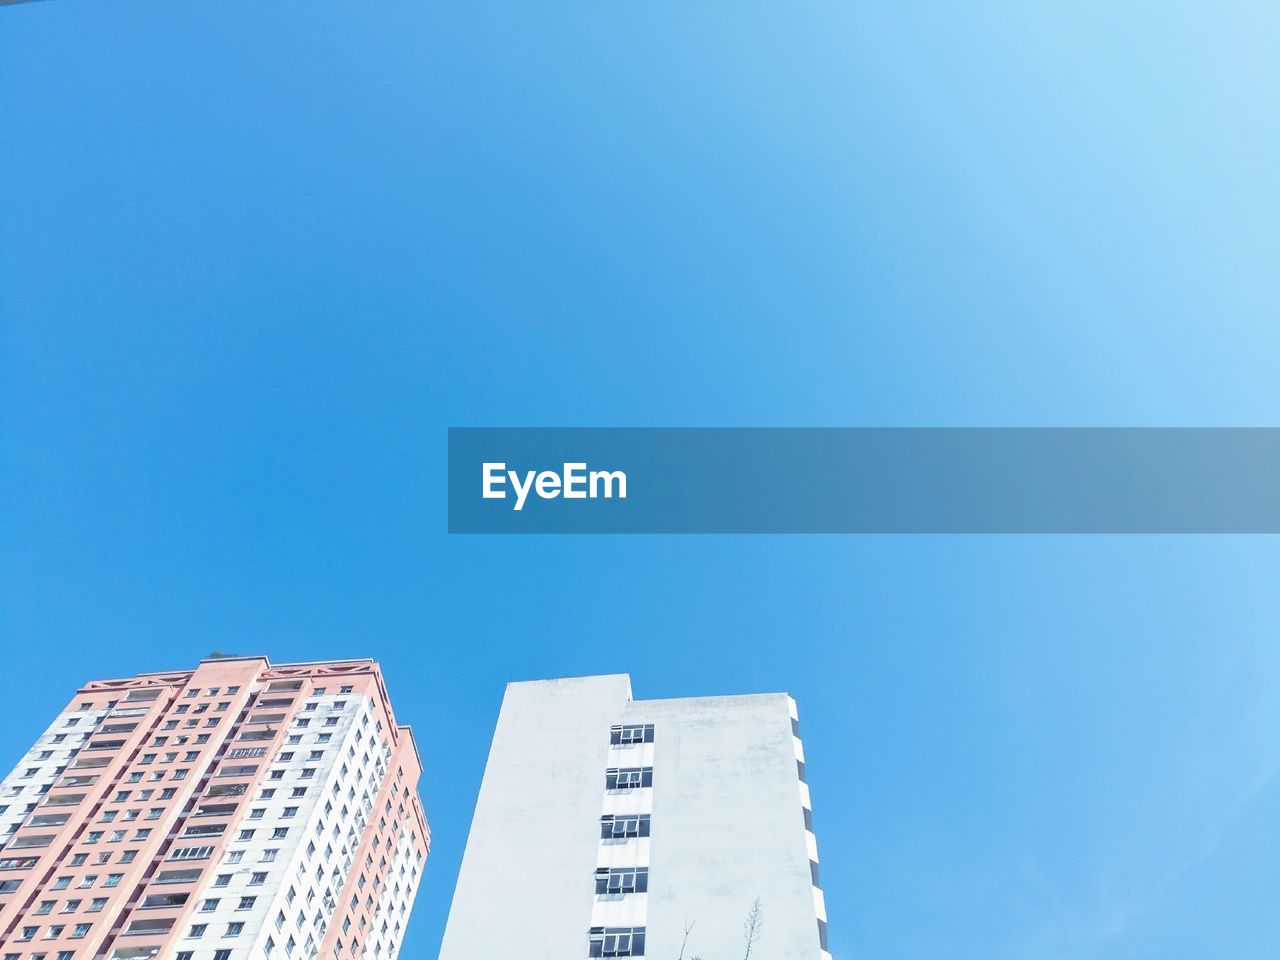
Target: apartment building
[
  {"x": 240, "y": 810},
  {"x": 614, "y": 827}
]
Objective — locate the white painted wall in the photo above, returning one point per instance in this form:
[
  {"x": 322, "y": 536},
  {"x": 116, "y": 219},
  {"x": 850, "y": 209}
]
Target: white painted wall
[{"x": 728, "y": 826}]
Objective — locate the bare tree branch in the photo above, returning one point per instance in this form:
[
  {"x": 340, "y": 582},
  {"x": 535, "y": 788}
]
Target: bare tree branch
[
  {"x": 683, "y": 943},
  {"x": 752, "y": 928}
]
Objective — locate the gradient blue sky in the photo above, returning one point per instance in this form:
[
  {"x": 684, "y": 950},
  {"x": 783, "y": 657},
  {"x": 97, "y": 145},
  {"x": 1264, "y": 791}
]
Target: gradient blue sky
[{"x": 255, "y": 258}]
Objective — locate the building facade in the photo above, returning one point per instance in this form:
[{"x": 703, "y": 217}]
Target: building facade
[
  {"x": 613, "y": 827},
  {"x": 239, "y": 810}
]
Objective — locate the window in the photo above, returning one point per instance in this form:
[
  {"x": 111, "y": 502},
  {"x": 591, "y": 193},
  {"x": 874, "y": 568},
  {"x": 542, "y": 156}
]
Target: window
[
  {"x": 154, "y": 900},
  {"x": 625, "y": 734},
  {"x": 222, "y": 880},
  {"x": 197, "y": 930},
  {"x": 628, "y": 778},
  {"x": 234, "y": 856},
  {"x": 150, "y": 926},
  {"x": 257, "y": 879},
  {"x": 190, "y": 853},
  {"x": 237, "y": 770},
  {"x": 113, "y": 880},
  {"x": 617, "y": 942},
  {"x": 615, "y": 880},
  {"x": 233, "y": 929},
  {"x": 289, "y": 812},
  {"x": 279, "y": 833},
  {"x": 346, "y": 689},
  {"x": 222, "y": 955},
  {"x": 246, "y": 903},
  {"x": 624, "y": 826},
  {"x": 177, "y": 876},
  {"x": 210, "y": 905}
]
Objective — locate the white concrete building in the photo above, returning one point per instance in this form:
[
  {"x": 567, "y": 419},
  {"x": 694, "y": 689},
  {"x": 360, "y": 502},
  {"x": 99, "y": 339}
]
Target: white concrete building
[{"x": 608, "y": 827}]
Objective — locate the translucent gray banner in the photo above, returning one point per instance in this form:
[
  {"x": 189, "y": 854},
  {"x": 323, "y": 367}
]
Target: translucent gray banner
[{"x": 856, "y": 480}]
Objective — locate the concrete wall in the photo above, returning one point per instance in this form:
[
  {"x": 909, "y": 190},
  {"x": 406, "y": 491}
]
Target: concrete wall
[
  {"x": 728, "y": 826},
  {"x": 524, "y": 889}
]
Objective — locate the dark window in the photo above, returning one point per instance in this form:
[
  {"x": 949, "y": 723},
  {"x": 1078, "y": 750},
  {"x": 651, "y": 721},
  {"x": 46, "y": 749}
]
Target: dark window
[
  {"x": 617, "y": 942},
  {"x": 623, "y": 734},
  {"x": 624, "y": 826},
  {"x": 622, "y": 880},
  {"x": 628, "y": 778}
]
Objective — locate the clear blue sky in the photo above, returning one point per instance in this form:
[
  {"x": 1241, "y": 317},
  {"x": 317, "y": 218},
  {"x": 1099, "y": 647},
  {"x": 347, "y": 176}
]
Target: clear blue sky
[{"x": 255, "y": 258}]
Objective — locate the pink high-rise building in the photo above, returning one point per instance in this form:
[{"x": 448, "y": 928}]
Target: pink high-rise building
[{"x": 240, "y": 810}]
